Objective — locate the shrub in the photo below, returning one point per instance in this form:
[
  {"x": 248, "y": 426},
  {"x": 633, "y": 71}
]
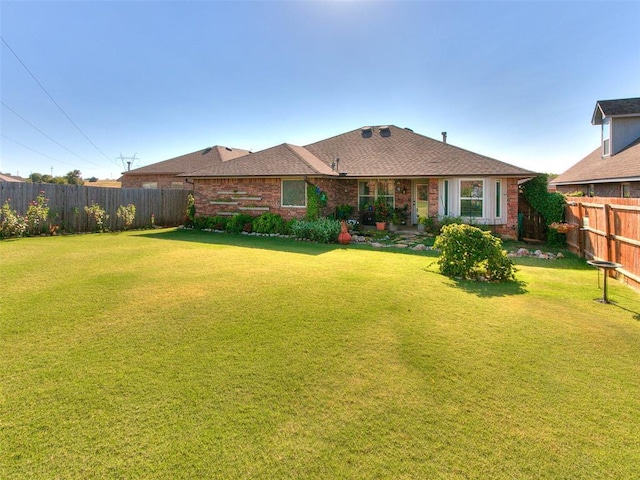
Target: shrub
[
  {"x": 96, "y": 213},
  {"x": 323, "y": 230},
  {"x": 37, "y": 213},
  {"x": 127, "y": 214},
  {"x": 269, "y": 223},
  {"x": 11, "y": 224},
  {"x": 468, "y": 252},
  {"x": 240, "y": 222}
]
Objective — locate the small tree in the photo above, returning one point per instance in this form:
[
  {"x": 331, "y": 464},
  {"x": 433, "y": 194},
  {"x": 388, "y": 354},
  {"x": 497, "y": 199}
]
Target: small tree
[{"x": 468, "y": 252}]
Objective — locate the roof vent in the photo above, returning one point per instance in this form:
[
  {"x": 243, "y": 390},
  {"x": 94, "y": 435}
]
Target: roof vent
[
  {"x": 367, "y": 132},
  {"x": 408, "y": 129},
  {"x": 444, "y": 137},
  {"x": 228, "y": 149},
  {"x": 385, "y": 131},
  {"x": 206, "y": 150}
]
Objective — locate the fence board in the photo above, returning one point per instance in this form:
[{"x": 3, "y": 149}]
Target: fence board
[
  {"x": 610, "y": 230},
  {"x": 67, "y": 202}
]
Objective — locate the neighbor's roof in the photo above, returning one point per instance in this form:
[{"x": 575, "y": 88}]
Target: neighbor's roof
[
  {"x": 191, "y": 161},
  {"x": 623, "y": 166},
  {"x": 10, "y": 178},
  {"x": 615, "y": 108},
  {"x": 386, "y": 151}
]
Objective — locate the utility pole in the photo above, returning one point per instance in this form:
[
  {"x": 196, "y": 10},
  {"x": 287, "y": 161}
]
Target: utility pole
[{"x": 128, "y": 160}]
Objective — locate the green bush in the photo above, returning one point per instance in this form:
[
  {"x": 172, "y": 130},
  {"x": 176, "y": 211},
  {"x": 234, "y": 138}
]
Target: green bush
[
  {"x": 11, "y": 224},
  {"x": 468, "y": 252},
  {"x": 240, "y": 222},
  {"x": 210, "y": 223},
  {"x": 323, "y": 230},
  {"x": 269, "y": 223}
]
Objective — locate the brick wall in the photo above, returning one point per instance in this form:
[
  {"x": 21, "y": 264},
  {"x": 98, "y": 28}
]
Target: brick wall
[{"x": 510, "y": 229}]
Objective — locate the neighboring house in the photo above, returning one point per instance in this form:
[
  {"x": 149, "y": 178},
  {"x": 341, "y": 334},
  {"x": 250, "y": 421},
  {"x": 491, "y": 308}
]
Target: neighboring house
[
  {"x": 166, "y": 174},
  {"x": 612, "y": 169},
  {"x": 10, "y": 178},
  {"x": 430, "y": 177}
]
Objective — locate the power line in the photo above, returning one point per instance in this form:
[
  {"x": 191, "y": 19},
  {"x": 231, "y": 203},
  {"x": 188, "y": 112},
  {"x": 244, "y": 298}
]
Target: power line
[
  {"x": 51, "y": 98},
  {"x": 53, "y": 140},
  {"x": 35, "y": 151}
]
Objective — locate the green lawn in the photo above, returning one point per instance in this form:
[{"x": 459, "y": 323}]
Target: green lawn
[{"x": 178, "y": 354}]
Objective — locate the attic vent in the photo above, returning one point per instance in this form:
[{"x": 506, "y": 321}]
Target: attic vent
[
  {"x": 385, "y": 131},
  {"x": 367, "y": 132},
  {"x": 206, "y": 150},
  {"x": 228, "y": 149},
  {"x": 408, "y": 129}
]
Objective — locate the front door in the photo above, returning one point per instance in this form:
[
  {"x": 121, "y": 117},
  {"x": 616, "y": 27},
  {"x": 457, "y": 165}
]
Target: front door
[{"x": 421, "y": 202}]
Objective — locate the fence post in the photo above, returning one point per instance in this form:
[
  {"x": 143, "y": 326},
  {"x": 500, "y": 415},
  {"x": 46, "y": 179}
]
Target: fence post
[{"x": 581, "y": 232}]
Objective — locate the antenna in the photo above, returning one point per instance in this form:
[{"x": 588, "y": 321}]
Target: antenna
[{"x": 129, "y": 161}]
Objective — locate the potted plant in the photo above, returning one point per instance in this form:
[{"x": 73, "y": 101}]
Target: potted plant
[{"x": 382, "y": 212}]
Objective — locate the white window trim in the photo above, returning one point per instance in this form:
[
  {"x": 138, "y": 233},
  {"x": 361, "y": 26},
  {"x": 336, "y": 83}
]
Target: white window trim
[
  {"x": 484, "y": 197},
  {"x": 376, "y": 192},
  {"x": 282, "y": 192}
]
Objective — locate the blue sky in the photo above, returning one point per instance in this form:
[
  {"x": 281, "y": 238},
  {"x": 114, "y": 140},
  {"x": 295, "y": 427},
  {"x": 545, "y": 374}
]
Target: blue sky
[{"x": 517, "y": 81}]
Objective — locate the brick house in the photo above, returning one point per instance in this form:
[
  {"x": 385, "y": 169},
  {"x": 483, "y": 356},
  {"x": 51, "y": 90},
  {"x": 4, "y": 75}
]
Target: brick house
[
  {"x": 430, "y": 177},
  {"x": 166, "y": 174},
  {"x": 612, "y": 169}
]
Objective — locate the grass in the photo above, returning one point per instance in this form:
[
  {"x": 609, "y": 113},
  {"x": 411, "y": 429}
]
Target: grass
[{"x": 177, "y": 354}]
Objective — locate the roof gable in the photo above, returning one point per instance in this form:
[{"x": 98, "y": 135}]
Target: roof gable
[{"x": 615, "y": 108}]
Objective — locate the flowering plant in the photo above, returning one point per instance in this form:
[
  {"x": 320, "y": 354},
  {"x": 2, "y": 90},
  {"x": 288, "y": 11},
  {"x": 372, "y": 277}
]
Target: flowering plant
[
  {"x": 381, "y": 209},
  {"x": 562, "y": 227}
]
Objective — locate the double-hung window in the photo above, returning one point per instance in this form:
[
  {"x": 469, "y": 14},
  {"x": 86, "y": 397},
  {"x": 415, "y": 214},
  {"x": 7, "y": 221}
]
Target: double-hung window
[
  {"x": 472, "y": 198},
  {"x": 294, "y": 193}
]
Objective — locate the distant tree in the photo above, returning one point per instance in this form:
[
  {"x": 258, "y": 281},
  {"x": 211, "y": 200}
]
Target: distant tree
[
  {"x": 74, "y": 178},
  {"x": 93, "y": 179},
  {"x": 36, "y": 178}
]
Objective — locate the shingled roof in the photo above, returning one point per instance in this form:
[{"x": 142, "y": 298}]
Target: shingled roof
[
  {"x": 624, "y": 166},
  {"x": 392, "y": 151},
  {"x": 191, "y": 161},
  {"x": 615, "y": 108},
  {"x": 383, "y": 151},
  {"x": 285, "y": 159}
]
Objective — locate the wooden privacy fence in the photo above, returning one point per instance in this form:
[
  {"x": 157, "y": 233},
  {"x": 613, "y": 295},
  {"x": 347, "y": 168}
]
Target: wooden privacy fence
[
  {"x": 66, "y": 204},
  {"x": 608, "y": 229}
]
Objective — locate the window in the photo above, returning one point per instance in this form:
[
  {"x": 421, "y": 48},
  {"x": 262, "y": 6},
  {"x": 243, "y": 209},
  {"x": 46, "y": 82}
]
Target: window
[
  {"x": 152, "y": 185},
  {"x": 626, "y": 192},
  {"x": 606, "y": 138},
  {"x": 592, "y": 190},
  {"x": 471, "y": 198},
  {"x": 294, "y": 193},
  {"x": 498, "y": 198},
  {"x": 369, "y": 190},
  {"x": 177, "y": 185}
]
